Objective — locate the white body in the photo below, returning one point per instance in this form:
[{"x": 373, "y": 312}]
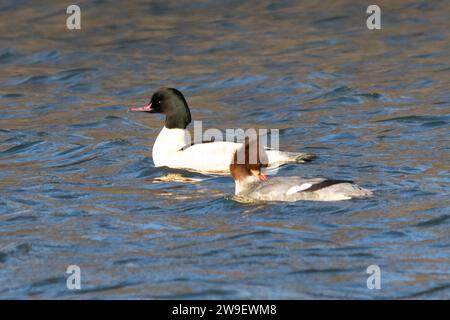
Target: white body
[
  {"x": 212, "y": 157},
  {"x": 296, "y": 189}
]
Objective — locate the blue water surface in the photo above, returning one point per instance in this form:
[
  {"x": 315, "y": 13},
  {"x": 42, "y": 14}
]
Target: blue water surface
[{"x": 78, "y": 185}]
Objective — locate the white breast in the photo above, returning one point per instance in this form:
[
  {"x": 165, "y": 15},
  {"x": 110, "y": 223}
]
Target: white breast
[{"x": 167, "y": 144}]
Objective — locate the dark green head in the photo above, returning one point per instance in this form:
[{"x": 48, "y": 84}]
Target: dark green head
[{"x": 172, "y": 103}]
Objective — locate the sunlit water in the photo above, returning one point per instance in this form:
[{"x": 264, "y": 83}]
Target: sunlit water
[{"x": 78, "y": 185}]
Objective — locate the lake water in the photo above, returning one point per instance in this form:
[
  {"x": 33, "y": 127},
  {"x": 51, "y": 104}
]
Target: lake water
[{"x": 78, "y": 185}]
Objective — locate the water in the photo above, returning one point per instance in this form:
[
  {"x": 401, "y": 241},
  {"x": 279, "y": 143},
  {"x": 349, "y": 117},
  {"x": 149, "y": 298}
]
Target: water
[{"x": 78, "y": 185}]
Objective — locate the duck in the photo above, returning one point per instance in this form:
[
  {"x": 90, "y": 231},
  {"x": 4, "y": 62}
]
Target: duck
[
  {"x": 251, "y": 184},
  {"x": 173, "y": 147}
]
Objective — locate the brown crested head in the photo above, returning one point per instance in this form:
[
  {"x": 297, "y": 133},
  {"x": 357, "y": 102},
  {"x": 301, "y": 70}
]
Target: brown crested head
[{"x": 248, "y": 160}]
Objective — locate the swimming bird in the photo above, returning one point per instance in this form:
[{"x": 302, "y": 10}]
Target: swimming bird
[
  {"x": 252, "y": 184},
  {"x": 173, "y": 148}
]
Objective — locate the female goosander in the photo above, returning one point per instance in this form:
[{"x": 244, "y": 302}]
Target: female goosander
[
  {"x": 173, "y": 147},
  {"x": 252, "y": 184}
]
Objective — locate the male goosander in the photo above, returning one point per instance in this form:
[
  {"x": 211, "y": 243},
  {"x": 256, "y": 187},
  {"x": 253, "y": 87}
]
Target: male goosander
[
  {"x": 252, "y": 184},
  {"x": 173, "y": 147}
]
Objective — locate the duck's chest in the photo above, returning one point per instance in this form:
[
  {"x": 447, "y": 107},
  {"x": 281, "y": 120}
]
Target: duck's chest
[{"x": 167, "y": 144}]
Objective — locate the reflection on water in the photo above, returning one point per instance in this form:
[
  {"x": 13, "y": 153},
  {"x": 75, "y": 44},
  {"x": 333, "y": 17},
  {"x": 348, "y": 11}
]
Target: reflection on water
[{"x": 78, "y": 184}]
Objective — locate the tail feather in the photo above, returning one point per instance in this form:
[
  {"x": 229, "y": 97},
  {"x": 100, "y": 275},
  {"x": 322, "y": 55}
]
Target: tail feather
[
  {"x": 277, "y": 158},
  {"x": 354, "y": 191},
  {"x": 341, "y": 191}
]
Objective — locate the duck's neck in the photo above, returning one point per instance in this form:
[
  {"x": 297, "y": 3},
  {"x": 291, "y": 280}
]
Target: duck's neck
[{"x": 244, "y": 185}]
